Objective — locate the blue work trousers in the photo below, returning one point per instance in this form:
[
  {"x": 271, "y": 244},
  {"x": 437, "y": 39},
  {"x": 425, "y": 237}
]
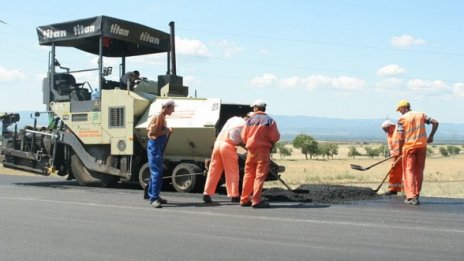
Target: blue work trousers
[{"x": 155, "y": 150}]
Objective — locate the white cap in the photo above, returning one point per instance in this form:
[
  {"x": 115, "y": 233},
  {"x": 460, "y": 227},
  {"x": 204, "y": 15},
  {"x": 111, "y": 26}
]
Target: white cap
[
  {"x": 387, "y": 123},
  {"x": 259, "y": 103},
  {"x": 169, "y": 103}
]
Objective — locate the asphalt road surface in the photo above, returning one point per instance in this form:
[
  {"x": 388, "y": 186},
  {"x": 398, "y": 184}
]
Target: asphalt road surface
[{"x": 44, "y": 218}]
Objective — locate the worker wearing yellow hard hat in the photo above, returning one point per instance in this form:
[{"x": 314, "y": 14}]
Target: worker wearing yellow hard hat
[
  {"x": 402, "y": 104},
  {"x": 413, "y": 146}
]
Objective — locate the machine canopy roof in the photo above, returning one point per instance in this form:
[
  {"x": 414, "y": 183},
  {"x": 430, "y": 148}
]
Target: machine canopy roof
[{"x": 119, "y": 38}]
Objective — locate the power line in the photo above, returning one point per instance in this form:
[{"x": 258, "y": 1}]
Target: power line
[{"x": 326, "y": 43}]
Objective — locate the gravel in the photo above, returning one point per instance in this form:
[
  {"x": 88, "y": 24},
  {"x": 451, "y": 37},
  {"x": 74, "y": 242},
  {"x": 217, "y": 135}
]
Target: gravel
[{"x": 321, "y": 193}]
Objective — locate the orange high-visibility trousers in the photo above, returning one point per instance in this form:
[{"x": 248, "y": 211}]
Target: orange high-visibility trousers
[
  {"x": 224, "y": 158},
  {"x": 256, "y": 171},
  {"x": 413, "y": 171},
  {"x": 396, "y": 175}
]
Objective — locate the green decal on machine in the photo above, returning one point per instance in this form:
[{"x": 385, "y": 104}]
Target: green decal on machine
[{"x": 96, "y": 117}]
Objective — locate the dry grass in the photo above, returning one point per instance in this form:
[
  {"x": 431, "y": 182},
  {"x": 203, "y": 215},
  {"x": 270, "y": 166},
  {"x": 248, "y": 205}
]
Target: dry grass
[{"x": 443, "y": 176}]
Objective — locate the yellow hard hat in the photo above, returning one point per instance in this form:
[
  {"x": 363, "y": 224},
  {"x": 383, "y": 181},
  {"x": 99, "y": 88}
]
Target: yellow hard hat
[{"x": 401, "y": 104}]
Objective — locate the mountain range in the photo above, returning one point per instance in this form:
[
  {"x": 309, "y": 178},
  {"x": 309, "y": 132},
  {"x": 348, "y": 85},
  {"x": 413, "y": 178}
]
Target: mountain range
[
  {"x": 335, "y": 129},
  {"x": 330, "y": 129}
]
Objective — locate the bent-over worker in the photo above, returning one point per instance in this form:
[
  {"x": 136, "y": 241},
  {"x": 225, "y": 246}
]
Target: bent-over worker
[
  {"x": 225, "y": 158},
  {"x": 396, "y": 171}
]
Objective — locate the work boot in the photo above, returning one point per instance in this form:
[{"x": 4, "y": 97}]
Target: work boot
[
  {"x": 390, "y": 192},
  {"x": 162, "y": 200},
  {"x": 245, "y": 204},
  {"x": 262, "y": 204},
  {"x": 207, "y": 199},
  {"x": 156, "y": 204},
  {"x": 412, "y": 201},
  {"x": 235, "y": 199}
]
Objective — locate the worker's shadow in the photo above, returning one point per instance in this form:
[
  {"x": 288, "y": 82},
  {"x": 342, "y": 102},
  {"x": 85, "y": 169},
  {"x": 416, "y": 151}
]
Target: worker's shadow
[
  {"x": 193, "y": 204},
  {"x": 295, "y": 205}
]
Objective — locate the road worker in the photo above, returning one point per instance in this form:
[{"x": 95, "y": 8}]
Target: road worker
[
  {"x": 158, "y": 133},
  {"x": 396, "y": 171},
  {"x": 259, "y": 136},
  {"x": 225, "y": 158},
  {"x": 413, "y": 144}
]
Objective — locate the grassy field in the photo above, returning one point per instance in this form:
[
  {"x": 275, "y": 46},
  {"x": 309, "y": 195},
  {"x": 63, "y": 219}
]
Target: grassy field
[{"x": 443, "y": 176}]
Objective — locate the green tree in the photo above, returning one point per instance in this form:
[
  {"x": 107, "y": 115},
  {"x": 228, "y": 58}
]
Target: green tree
[
  {"x": 283, "y": 149},
  {"x": 443, "y": 151},
  {"x": 324, "y": 150},
  {"x": 328, "y": 149},
  {"x": 333, "y": 149},
  {"x": 306, "y": 144},
  {"x": 429, "y": 151},
  {"x": 453, "y": 150},
  {"x": 353, "y": 152},
  {"x": 372, "y": 152}
]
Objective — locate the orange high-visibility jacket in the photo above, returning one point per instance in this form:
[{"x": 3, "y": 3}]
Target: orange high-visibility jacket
[
  {"x": 260, "y": 131},
  {"x": 393, "y": 141},
  {"x": 412, "y": 126}
]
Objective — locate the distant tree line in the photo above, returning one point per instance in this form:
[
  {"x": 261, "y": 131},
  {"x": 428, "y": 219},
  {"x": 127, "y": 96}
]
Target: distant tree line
[
  {"x": 449, "y": 150},
  {"x": 313, "y": 149}
]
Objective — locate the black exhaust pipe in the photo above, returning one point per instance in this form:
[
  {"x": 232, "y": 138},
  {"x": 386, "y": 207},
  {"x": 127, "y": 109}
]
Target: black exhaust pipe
[{"x": 173, "y": 49}]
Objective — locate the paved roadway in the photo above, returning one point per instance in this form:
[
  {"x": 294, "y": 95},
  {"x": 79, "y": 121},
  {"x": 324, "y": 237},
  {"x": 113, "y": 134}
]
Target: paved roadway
[{"x": 44, "y": 218}]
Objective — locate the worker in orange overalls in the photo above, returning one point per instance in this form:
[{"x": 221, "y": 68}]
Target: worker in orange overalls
[
  {"x": 396, "y": 171},
  {"x": 225, "y": 158},
  {"x": 259, "y": 135},
  {"x": 413, "y": 144}
]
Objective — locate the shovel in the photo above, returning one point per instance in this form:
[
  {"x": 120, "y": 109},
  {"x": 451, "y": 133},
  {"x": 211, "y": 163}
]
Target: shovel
[
  {"x": 297, "y": 191},
  {"x": 361, "y": 168},
  {"x": 388, "y": 173}
]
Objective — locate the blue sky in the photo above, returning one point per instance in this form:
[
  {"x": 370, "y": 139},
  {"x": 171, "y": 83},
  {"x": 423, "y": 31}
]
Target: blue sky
[{"x": 338, "y": 59}]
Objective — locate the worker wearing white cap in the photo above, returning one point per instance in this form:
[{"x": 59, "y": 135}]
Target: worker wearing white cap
[
  {"x": 413, "y": 146},
  {"x": 158, "y": 133},
  {"x": 259, "y": 136},
  {"x": 396, "y": 170}
]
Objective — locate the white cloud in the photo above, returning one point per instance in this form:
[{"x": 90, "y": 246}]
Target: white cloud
[
  {"x": 390, "y": 70},
  {"x": 264, "y": 80},
  {"x": 426, "y": 85},
  {"x": 314, "y": 81},
  {"x": 10, "y": 75},
  {"x": 348, "y": 83},
  {"x": 264, "y": 52},
  {"x": 291, "y": 82},
  {"x": 228, "y": 49},
  {"x": 389, "y": 84},
  {"x": 458, "y": 89},
  {"x": 343, "y": 83},
  {"x": 405, "y": 41},
  {"x": 191, "y": 47}
]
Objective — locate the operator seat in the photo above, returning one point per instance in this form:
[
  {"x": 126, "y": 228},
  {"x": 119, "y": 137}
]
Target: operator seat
[{"x": 64, "y": 83}]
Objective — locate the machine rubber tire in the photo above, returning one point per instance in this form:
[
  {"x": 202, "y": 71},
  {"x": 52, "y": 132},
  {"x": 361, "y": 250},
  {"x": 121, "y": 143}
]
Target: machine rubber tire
[
  {"x": 87, "y": 177},
  {"x": 189, "y": 183},
  {"x": 144, "y": 175}
]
